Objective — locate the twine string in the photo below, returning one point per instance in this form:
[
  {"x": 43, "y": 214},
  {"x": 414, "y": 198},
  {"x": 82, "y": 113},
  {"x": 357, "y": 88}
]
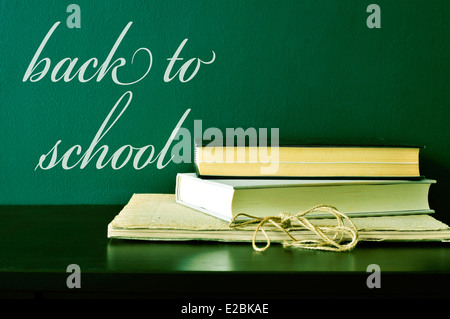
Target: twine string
[{"x": 330, "y": 238}]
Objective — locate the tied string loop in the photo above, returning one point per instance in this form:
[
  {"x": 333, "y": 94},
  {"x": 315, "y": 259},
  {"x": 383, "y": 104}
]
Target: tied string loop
[{"x": 330, "y": 238}]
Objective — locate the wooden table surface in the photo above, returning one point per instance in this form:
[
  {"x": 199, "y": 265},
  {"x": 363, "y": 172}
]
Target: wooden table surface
[{"x": 37, "y": 243}]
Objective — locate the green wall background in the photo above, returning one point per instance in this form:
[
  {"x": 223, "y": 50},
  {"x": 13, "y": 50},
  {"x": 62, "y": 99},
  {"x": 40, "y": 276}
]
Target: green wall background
[{"x": 312, "y": 68}]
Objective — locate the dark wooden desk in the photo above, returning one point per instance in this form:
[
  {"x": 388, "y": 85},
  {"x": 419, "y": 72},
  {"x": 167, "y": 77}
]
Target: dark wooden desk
[{"x": 37, "y": 243}]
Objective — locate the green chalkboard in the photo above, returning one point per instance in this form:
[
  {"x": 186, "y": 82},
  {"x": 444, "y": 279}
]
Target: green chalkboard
[{"x": 313, "y": 69}]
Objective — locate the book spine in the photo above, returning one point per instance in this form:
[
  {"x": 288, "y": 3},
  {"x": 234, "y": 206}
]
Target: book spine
[
  {"x": 177, "y": 188},
  {"x": 196, "y": 168}
]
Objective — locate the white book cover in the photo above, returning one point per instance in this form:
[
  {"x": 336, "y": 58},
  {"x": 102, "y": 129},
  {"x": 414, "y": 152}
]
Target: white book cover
[{"x": 223, "y": 198}]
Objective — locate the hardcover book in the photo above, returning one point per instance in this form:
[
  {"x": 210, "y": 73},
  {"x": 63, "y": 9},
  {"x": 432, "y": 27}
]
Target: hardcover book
[
  {"x": 307, "y": 161},
  {"x": 225, "y": 198}
]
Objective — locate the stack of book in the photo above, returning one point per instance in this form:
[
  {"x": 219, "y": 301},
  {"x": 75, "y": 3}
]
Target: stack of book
[{"x": 380, "y": 188}]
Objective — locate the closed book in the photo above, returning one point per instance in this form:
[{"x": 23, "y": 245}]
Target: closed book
[
  {"x": 157, "y": 217},
  {"x": 310, "y": 161},
  {"x": 226, "y": 198}
]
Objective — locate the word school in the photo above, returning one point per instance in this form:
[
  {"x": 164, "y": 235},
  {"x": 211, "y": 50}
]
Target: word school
[{"x": 124, "y": 154}]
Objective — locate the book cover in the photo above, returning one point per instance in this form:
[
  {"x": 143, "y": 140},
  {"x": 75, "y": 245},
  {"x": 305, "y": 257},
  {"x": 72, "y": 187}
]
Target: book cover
[
  {"x": 158, "y": 217},
  {"x": 224, "y": 198},
  {"x": 225, "y": 159}
]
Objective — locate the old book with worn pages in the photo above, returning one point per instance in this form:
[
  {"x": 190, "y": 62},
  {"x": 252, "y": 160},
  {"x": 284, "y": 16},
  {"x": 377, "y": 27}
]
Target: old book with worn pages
[{"x": 158, "y": 217}]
